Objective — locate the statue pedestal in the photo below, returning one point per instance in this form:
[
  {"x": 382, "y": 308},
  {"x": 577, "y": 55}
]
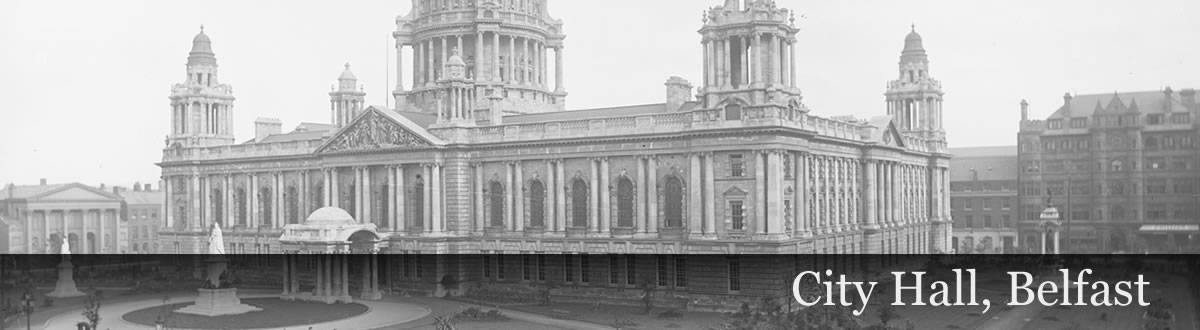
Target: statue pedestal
[
  {"x": 66, "y": 282},
  {"x": 214, "y": 302}
]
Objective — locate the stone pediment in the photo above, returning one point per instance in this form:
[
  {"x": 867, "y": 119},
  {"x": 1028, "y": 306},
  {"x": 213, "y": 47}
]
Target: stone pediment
[
  {"x": 76, "y": 192},
  {"x": 377, "y": 129},
  {"x": 884, "y": 132}
]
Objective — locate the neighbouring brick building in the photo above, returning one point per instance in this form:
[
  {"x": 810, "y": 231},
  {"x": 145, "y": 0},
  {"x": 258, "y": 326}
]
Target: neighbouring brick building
[
  {"x": 142, "y": 211},
  {"x": 1121, "y": 168},
  {"x": 983, "y": 200},
  {"x": 480, "y": 158}
]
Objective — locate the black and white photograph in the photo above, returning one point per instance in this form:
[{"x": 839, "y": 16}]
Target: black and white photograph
[{"x": 714, "y": 164}]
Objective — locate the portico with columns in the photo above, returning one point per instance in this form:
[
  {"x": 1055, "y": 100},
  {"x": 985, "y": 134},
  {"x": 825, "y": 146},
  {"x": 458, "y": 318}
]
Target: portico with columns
[
  {"x": 90, "y": 218},
  {"x": 334, "y": 241}
]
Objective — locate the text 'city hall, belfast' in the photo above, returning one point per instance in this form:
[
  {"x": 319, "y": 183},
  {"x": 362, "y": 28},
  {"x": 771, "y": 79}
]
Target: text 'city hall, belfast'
[{"x": 479, "y": 155}]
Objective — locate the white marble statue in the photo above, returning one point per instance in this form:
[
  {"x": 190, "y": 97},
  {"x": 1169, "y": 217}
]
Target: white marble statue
[
  {"x": 66, "y": 246},
  {"x": 216, "y": 242}
]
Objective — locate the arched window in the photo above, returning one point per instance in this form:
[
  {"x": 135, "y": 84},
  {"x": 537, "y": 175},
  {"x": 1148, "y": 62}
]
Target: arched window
[
  {"x": 417, "y": 204},
  {"x": 265, "y": 202},
  {"x": 537, "y": 204},
  {"x": 240, "y": 199},
  {"x": 579, "y": 204},
  {"x": 624, "y": 203},
  {"x": 733, "y": 112},
  {"x": 673, "y": 202},
  {"x": 496, "y": 198},
  {"x": 293, "y": 205}
]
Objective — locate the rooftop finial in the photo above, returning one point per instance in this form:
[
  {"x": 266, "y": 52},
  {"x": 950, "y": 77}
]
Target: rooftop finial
[
  {"x": 347, "y": 65},
  {"x": 201, "y": 28},
  {"x": 914, "y": 27}
]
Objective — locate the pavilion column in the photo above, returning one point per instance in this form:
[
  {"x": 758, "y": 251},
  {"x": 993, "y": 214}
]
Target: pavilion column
[
  {"x": 792, "y": 62},
  {"x": 496, "y": 56},
  {"x": 323, "y": 272},
  {"x": 593, "y": 204},
  {"x": 427, "y": 200},
  {"x": 774, "y": 52},
  {"x": 335, "y": 189},
  {"x": 746, "y": 48},
  {"x": 785, "y": 51},
  {"x": 367, "y": 197},
  {"x": 366, "y": 287},
  {"x": 475, "y": 74},
  {"x": 726, "y": 62},
  {"x": 774, "y": 192},
  {"x": 560, "y": 194},
  {"x": 390, "y": 221},
  {"x": 652, "y": 194},
  {"x": 524, "y": 61},
  {"x": 511, "y": 73},
  {"x": 429, "y": 67},
  {"x": 695, "y": 192},
  {"x": 438, "y": 221},
  {"x": 418, "y": 69},
  {"x": 710, "y": 196},
  {"x": 519, "y": 197},
  {"x": 605, "y": 194},
  {"x": 869, "y": 187},
  {"x": 480, "y": 221},
  {"x": 327, "y": 191},
  {"x": 551, "y": 215},
  {"x": 509, "y": 201},
  {"x": 399, "y": 67},
  {"x": 287, "y": 277},
  {"x": 102, "y": 217},
  {"x": 358, "y": 194},
  {"x": 707, "y": 62},
  {"x": 400, "y": 198},
  {"x": 642, "y": 193}
]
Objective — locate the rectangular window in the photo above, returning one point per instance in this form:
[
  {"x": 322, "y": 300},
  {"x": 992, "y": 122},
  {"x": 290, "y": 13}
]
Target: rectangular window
[
  {"x": 584, "y": 269},
  {"x": 1156, "y": 187},
  {"x": 631, "y": 269},
  {"x": 1005, "y": 204},
  {"x": 664, "y": 275},
  {"x": 737, "y": 165},
  {"x": 1156, "y": 212},
  {"x": 735, "y": 274},
  {"x": 1007, "y": 222},
  {"x": 541, "y": 267},
  {"x": 487, "y": 266},
  {"x": 568, "y": 270},
  {"x": 737, "y": 215},
  {"x": 1080, "y": 214},
  {"x": 1055, "y": 123},
  {"x": 987, "y": 221},
  {"x": 680, "y": 272},
  {"x": 1180, "y": 118},
  {"x": 1184, "y": 188},
  {"x": 989, "y": 204},
  {"x": 614, "y": 274},
  {"x": 526, "y": 267},
  {"x": 1184, "y": 211},
  {"x": 1078, "y": 122},
  {"x": 499, "y": 266},
  {"x": 1155, "y": 119}
]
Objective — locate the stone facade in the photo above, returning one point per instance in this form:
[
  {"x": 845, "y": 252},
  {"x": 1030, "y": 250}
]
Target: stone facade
[
  {"x": 41, "y": 214},
  {"x": 1121, "y": 168},
  {"x": 745, "y": 167},
  {"x": 983, "y": 200}
]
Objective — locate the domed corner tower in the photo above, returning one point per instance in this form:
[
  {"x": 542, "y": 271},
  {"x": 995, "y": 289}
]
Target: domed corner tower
[
  {"x": 749, "y": 56},
  {"x": 201, "y": 107},
  {"x": 914, "y": 99},
  {"x": 503, "y": 46}
]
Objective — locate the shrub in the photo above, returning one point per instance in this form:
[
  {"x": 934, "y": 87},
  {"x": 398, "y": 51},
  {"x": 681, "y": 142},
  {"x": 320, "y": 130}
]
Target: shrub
[{"x": 670, "y": 314}]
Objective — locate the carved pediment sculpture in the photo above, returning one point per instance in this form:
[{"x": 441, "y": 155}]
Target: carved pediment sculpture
[{"x": 373, "y": 131}]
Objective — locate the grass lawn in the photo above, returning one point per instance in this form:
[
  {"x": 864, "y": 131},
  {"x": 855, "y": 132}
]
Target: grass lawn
[
  {"x": 607, "y": 314},
  {"x": 276, "y": 313}
]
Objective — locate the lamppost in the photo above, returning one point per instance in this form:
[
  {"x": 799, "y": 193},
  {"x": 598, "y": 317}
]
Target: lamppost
[{"x": 27, "y": 300}]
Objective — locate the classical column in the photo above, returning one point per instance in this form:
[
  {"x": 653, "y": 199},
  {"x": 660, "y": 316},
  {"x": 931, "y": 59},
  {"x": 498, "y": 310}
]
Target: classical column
[
  {"x": 786, "y": 48},
  {"x": 345, "y": 278},
  {"x": 399, "y": 67},
  {"x": 438, "y": 222},
  {"x": 252, "y": 207},
  {"x": 400, "y": 198},
  {"x": 480, "y": 222},
  {"x": 194, "y": 218},
  {"x": 774, "y": 192},
  {"x": 302, "y": 201},
  {"x": 427, "y": 201},
  {"x": 747, "y": 65},
  {"x": 476, "y": 73},
  {"x": 519, "y": 198},
  {"x": 418, "y": 65},
  {"x": 558, "y": 70},
  {"x": 726, "y": 73},
  {"x": 512, "y": 60},
  {"x": 551, "y": 215},
  {"x": 367, "y": 197},
  {"x": 390, "y": 222},
  {"x": 279, "y": 203},
  {"x": 560, "y": 194},
  {"x": 695, "y": 192},
  {"x": 525, "y": 50},
  {"x": 869, "y": 187},
  {"x": 100, "y": 217},
  {"x": 642, "y": 192},
  {"x": 496, "y": 56},
  {"x": 775, "y": 72},
  {"x": 605, "y": 195},
  {"x": 319, "y": 289},
  {"x": 510, "y": 209},
  {"x": 334, "y": 189},
  {"x": 792, "y": 62},
  {"x": 593, "y": 201},
  {"x": 204, "y": 200},
  {"x": 760, "y": 193},
  {"x": 710, "y": 201},
  {"x": 652, "y": 194},
  {"x": 358, "y": 194},
  {"x": 707, "y": 62}
]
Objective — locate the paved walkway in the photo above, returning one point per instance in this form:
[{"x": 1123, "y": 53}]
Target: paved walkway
[
  {"x": 380, "y": 314},
  {"x": 445, "y": 307}
]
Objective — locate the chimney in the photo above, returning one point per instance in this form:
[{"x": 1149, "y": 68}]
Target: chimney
[
  {"x": 116, "y": 190},
  {"x": 1188, "y": 98},
  {"x": 1067, "y": 104},
  {"x": 11, "y": 187},
  {"x": 43, "y": 181},
  {"x": 146, "y": 188},
  {"x": 103, "y": 187},
  {"x": 679, "y": 91},
  {"x": 1024, "y": 110},
  {"x": 264, "y": 127},
  {"x": 137, "y": 186}
]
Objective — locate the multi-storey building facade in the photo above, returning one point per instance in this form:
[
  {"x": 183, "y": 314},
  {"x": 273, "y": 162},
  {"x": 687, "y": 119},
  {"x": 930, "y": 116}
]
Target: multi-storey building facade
[
  {"x": 1121, "y": 168},
  {"x": 142, "y": 211},
  {"x": 983, "y": 200},
  {"x": 480, "y": 158},
  {"x": 38, "y": 216}
]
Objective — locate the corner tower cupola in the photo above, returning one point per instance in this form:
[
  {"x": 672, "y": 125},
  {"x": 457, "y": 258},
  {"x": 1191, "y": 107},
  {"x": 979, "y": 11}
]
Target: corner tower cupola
[
  {"x": 914, "y": 99},
  {"x": 749, "y": 54},
  {"x": 346, "y": 100},
  {"x": 201, "y": 106}
]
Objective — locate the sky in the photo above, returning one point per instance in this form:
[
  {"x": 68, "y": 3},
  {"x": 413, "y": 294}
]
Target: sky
[{"x": 84, "y": 84}]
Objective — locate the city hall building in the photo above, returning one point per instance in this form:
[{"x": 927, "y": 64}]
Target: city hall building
[{"x": 479, "y": 156}]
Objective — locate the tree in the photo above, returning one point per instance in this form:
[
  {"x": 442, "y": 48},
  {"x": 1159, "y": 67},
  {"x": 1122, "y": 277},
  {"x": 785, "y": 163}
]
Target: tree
[{"x": 91, "y": 310}]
